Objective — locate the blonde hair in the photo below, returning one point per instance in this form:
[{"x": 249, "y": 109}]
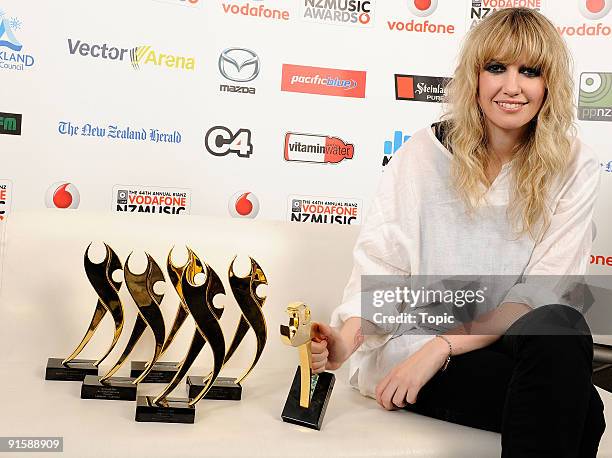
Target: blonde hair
[{"x": 506, "y": 36}]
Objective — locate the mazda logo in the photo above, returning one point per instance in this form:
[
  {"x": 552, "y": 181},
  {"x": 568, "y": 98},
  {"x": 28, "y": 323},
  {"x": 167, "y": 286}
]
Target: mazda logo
[{"x": 239, "y": 64}]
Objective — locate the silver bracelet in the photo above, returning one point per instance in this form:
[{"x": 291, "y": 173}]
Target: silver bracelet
[{"x": 450, "y": 351}]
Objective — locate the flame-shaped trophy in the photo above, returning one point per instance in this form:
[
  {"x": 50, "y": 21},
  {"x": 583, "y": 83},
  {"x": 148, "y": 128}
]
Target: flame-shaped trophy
[
  {"x": 309, "y": 393},
  {"x": 164, "y": 371},
  {"x": 141, "y": 288},
  {"x": 107, "y": 289},
  {"x": 250, "y": 304}
]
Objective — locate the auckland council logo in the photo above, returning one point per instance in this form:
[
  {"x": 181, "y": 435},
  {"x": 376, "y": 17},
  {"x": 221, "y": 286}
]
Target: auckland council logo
[
  {"x": 243, "y": 204},
  {"x": 62, "y": 195},
  {"x": 11, "y": 55}
]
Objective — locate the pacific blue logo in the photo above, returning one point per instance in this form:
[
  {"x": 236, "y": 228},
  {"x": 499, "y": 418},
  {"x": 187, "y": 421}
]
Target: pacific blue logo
[
  {"x": 420, "y": 88},
  {"x": 316, "y": 148},
  {"x": 11, "y": 55},
  {"x": 595, "y": 97},
  {"x": 10, "y": 123}
]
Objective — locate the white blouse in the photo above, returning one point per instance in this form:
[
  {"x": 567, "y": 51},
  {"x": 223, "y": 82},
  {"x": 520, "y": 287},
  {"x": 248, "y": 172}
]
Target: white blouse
[{"x": 417, "y": 225}]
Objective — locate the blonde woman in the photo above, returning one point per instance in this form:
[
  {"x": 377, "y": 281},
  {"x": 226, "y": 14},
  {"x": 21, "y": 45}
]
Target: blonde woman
[{"x": 500, "y": 187}]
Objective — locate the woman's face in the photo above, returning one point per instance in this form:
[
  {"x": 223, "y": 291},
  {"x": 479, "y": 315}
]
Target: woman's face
[{"x": 510, "y": 95}]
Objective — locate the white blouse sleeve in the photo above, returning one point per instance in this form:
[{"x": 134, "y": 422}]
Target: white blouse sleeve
[
  {"x": 564, "y": 248},
  {"x": 382, "y": 247}
]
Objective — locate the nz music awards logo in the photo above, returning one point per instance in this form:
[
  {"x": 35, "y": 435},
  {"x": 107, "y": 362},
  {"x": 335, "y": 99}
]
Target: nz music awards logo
[
  {"x": 357, "y": 13},
  {"x": 482, "y": 8},
  {"x": 322, "y": 149},
  {"x": 221, "y": 141},
  {"x": 5, "y": 198},
  {"x": 592, "y": 11},
  {"x": 12, "y": 56},
  {"x": 139, "y": 56},
  {"x": 421, "y": 9},
  {"x": 10, "y": 123},
  {"x": 323, "y": 81},
  {"x": 595, "y": 97},
  {"x": 391, "y": 146},
  {"x": 420, "y": 88},
  {"x": 239, "y": 65},
  {"x": 63, "y": 195},
  {"x": 153, "y": 200},
  {"x": 324, "y": 210},
  {"x": 243, "y": 204}
]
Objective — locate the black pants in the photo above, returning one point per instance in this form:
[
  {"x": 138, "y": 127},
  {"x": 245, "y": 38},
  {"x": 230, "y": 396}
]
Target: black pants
[{"x": 533, "y": 385}]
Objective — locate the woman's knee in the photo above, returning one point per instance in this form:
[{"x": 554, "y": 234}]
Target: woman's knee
[{"x": 552, "y": 320}]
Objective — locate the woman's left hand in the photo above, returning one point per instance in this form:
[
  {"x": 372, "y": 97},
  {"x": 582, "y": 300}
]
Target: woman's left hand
[{"x": 403, "y": 383}]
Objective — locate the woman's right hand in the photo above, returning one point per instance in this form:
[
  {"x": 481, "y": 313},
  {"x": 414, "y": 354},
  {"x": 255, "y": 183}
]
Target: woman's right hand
[{"x": 329, "y": 350}]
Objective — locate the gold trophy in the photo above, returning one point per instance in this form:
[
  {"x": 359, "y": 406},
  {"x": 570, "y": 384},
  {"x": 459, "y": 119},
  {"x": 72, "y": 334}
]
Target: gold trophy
[
  {"x": 309, "y": 393},
  {"x": 141, "y": 288},
  {"x": 199, "y": 302},
  {"x": 164, "y": 371},
  {"x": 107, "y": 289},
  {"x": 245, "y": 293}
]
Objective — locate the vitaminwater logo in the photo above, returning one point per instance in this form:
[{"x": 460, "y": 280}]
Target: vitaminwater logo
[
  {"x": 63, "y": 195},
  {"x": 243, "y": 204},
  {"x": 5, "y": 198},
  {"x": 595, "y": 97},
  {"x": 421, "y": 9},
  {"x": 592, "y": 10},
  {"x": 12, "y": 56},
  {"x": 259, "y": 11},
  {"x": 324, "y": 210},
  {"x": 153, "y": 200},
  {"x": 391, "y": 146},
  {"x": 322, "y": 149},
  {"x": 357, "y": 13},
  {"x": 137, "y": 56},
  {"x": 482, "y": 8}
]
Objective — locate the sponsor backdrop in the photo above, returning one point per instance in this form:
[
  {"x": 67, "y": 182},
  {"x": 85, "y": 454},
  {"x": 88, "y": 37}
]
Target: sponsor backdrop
[{"x": 271, "y": 109}]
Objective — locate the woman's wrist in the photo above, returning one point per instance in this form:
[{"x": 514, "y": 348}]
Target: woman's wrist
[{"x": 440, "y": 349}]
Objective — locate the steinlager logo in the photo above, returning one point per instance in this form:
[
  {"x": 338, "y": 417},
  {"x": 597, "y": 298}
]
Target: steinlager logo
[{"x": 10, "y": 123}]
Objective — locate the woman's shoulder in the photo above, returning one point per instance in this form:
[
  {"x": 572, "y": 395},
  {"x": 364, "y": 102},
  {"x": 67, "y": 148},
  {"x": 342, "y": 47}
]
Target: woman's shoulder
[{"x": 424, "y": 145}]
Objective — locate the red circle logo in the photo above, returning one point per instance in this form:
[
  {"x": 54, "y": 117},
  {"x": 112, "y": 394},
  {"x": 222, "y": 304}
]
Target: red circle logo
[
  {"x": 422, "y": 7},
  {"x": 62, "y": 195},
  {"x": 594, "y": 9},
  {"x": 243, "y": 204}
]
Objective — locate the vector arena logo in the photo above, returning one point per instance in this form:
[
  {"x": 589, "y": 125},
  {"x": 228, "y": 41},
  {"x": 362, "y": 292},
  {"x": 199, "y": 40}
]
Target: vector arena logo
[
  {"x": 592, "y": 10},
  {"x": 62, "y": 195},
  {"x": 420, "y": 9},
  {"x": 339, "y": 12},
  {"x": 137, "y": 56}
]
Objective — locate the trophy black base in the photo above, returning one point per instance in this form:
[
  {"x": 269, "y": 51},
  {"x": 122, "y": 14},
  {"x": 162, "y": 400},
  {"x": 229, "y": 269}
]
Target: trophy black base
[
  {"x": 113, "y": 389},
  {"x": 311, "y": 417},
  {"x": 223, "y": 388},
  {"x": 76, "y": 370},
  {"x": 175, "y": 411},
  {"x": 162, "y": 372}
]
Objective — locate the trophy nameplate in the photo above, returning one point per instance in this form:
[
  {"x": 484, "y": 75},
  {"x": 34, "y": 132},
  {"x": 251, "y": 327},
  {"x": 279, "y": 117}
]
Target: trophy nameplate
[
  {"x": 309, "y": 394},
  {"x": 199, "y": 302},
  {"x": 140, "y": 287},
  {"x": 107, "y": 289},
  {"x": 252, "y": 317}
]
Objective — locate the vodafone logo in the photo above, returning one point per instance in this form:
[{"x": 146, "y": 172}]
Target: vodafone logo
[
  {"x": 594, "y": 9},
  {"x": 422, "y": 8},
  {"x": 243, "y": 204},
  {"x": 62, "y": 195}
]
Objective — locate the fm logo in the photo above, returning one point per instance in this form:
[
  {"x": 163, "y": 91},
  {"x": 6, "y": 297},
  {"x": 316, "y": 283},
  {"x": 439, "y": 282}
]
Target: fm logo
[{"x": 220, "y": 141}]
